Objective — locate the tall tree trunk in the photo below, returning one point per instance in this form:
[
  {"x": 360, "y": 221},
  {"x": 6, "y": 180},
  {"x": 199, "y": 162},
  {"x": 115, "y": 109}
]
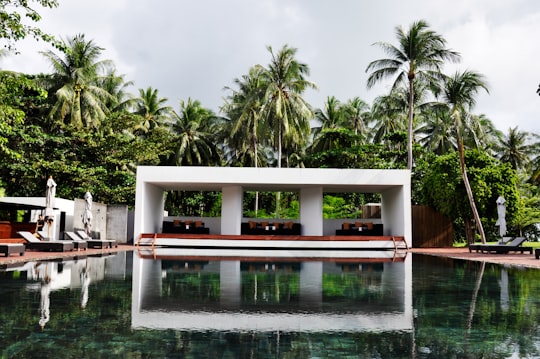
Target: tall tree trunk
[
  {"x": 469, "y": 230},
  {"x": 278, "y": 194},
  {"x": 476, "y": 216},
  {"x": 76, "y": 117},
  {"x": 410, "y": 124},
  {"x": 256, "y": 154}
]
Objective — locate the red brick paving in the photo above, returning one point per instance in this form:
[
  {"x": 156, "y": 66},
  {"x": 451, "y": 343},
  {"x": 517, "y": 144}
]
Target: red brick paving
[
  {"x": 514, "y": 259},
  {"x": 31, "y": 256}
]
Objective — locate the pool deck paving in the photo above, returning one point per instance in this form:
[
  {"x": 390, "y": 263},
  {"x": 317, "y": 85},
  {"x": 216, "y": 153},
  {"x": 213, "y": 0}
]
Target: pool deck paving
[
  {"x": 513, "y": 259},
  {"x": 34, "y": 256}
]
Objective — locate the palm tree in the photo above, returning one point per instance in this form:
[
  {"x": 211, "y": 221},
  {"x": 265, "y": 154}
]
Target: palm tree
[
  {"x": 459, "y": 93},
  {"x": 514, "y": 148},
  {"x": 331, "y": 117},
  {"x": 480, "y": 132},
  {"x": 284, "y": 110},
  {"x": 389, "y": 115},
  {"x": 243, "y": 107},
  {"x": 76, "y": 80},
  {"x": 357, "y": 115},
  {"x": 195, "y": 143},
  {"x": 116, "y": 86},
  {"x": 152, "y": 110},
  {"x": 419, "y": 56},
  {"x": 438, "y": 133}
]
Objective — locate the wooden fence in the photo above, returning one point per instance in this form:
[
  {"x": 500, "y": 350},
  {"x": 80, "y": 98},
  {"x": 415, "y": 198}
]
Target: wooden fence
[{"x": 430, "y": 228}]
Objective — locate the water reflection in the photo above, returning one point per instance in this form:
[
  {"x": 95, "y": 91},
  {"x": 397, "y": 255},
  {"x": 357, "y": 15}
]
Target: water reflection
[
  {"x": 193, "y": 305},
  {"x": 49, "y": 277},
  {"x": 252, "y": 292}
]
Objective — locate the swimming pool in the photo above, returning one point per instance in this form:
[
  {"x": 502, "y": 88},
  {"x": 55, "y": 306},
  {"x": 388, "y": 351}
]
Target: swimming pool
[{"x": 206, "y": 306}]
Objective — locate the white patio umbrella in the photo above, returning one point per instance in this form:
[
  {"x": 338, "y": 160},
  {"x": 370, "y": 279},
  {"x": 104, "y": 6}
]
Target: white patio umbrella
[
  {"x": 501, "y": 213},
  {"x": 87, "y": 214},
  {"x": 50, "y": 195}
]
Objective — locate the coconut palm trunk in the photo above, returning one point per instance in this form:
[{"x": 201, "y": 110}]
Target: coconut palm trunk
[
  {"x": 410, "y": 123},
  {"x": 474, "y": 210}
]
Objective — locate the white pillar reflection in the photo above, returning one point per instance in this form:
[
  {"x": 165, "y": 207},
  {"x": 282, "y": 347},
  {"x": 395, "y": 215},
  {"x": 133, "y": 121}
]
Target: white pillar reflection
[
  {"x": 311, "y": 284},
  {"x": 230, "y": 283}
]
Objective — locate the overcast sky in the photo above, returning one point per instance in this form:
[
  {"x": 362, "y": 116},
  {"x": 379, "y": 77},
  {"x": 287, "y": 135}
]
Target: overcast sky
[{"x": 196, "y": 48}]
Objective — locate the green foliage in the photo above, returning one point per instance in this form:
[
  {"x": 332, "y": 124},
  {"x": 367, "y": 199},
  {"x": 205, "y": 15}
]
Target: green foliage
[
  {"x": 444, "y": 190},
  {"x": 18, "y": 94},
  {"x": 13, "y": 26},
  {"x": 339, "y": 207},
  {"x": 193, "y": 203}
]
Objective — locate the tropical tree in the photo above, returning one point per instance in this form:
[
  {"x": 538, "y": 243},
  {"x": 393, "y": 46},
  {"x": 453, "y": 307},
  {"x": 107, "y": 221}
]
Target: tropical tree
[
  {"x": 13, "y": 26},
  {"x": 514, "y": 148},
  {"x": 152, "y": 110},
  {"x": 459, "y": 93},
  {"x": 194, "y": 142},
  {"x": 246, "y": 128},
  {"x": 438, "y": 133},
  {"x": 284, "y": 109},
  {"x": 418, "y": 57},
  {"x": 116, "y": 85},
  {"x": 331, "y": 117},
  {"x": 389, "y": 115},
  {"x": 357, "y": 115},
  {"x": 444, "y": 189},
  {"x": 76, "y": 80},
  {"x": 480, "y": 132}
]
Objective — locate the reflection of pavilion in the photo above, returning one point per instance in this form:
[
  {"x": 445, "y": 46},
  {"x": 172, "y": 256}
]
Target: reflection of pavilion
[{"x": 310, "y": 308}]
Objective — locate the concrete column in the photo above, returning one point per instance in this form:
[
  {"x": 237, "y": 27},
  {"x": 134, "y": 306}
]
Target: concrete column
[
  {"x": 311, "y": 211},
  {"x": 396, "y": 212},
  {"x": 231, "y": 209},
  {"x": 149, "y": 206}
]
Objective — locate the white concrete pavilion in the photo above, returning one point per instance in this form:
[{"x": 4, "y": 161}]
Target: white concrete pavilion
[{"x": 310, "y": 183}]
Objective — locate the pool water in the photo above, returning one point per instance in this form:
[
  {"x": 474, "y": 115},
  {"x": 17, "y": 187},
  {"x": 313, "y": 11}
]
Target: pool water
[{"x": 202, "y": 306}]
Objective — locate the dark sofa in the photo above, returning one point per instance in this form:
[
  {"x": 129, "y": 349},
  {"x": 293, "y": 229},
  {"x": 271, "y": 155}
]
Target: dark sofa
[
  {"x": 177, "y": 226},
  {"x": 271, "y": 228},
  {"x": 353, "y": 229}
]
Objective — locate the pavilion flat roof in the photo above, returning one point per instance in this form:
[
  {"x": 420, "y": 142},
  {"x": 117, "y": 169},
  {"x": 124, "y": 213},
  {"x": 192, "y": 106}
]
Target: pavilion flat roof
[{"x": 273, "y": 179}]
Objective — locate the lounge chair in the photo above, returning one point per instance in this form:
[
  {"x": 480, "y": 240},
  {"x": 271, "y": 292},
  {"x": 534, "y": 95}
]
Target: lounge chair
[
  {"x": 514, "y": 246},
  {"x": 77, "y": 241},
  {"x": 48, "y": 246},
  {"x": 10, "y": 248},
  {"x": 97, "y": 243}
]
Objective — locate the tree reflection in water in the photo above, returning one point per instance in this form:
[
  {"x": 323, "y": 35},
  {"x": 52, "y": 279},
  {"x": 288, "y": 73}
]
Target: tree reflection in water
[{"x": 502, "y": 322}]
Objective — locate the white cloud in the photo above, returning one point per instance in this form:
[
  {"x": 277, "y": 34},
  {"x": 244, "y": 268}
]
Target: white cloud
[{"x": 195, "y": 48}]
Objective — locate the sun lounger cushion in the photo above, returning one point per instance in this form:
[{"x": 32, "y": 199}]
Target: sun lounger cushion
[
  {"x": 54, "y": 246},
  {"x": 10, "y": 248}
]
